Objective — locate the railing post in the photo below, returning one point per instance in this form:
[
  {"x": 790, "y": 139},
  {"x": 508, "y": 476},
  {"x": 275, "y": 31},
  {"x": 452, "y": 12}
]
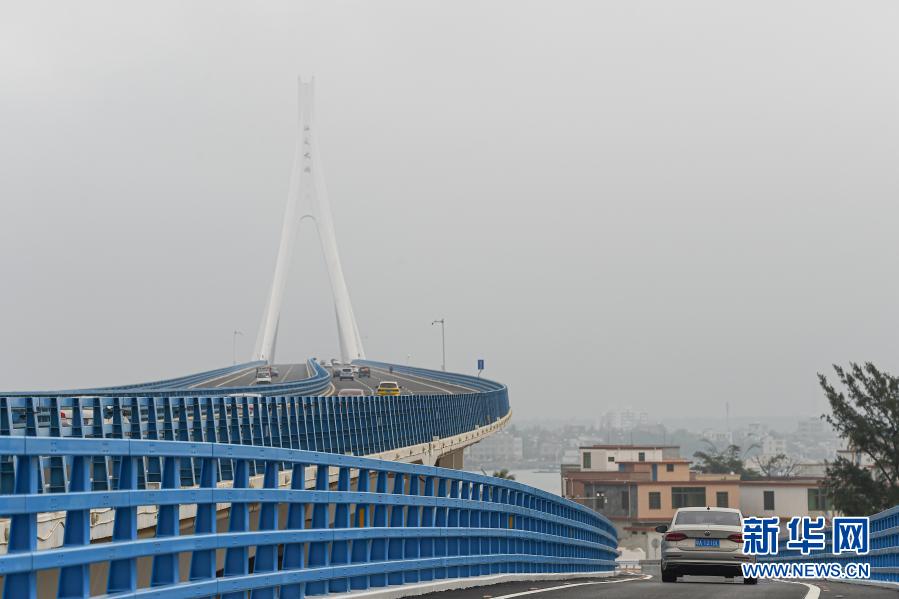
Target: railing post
[
  {"x": 223, "y": 436},
  {"x": 412, "y": 550},
  {"x": 465, "y": 522},
  {"x": 426, "y": 545},
  {"x": 296, "y": 520},
  {"x": 361, "y": 519},
  {"x": 379, "y": 544},
  {"x": 23, "y": 530},
  {"x": 440, "y": 523},
  {"x": 165, "y": 566},
  {"x": 453, "y": 542},
  {"x": 237, "y": 558},
  {"x": 395, "y": 544},
  {"x": 203, "y": 561},
  {"x": 245, "y": 432},
  {"x": 99, "y": 464},
  {"x": 154, "y": 463},
  {"x": 187, "y": 469},
  {"x": 136, "y": 431},
  {"x": 340, "y": 550},
  {"x": 267, "y": 555},
  {"x": 7, "y": 466},
  {"x": 57, "y": 463},
  {"x": 75, "y": 581},
  {"x": 318, "y": 550},
  {"x": 123, "y": 572}
]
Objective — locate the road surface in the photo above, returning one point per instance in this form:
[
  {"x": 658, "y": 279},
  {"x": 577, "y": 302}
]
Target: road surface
[
  {"x": 288, "y": 373},
  {"x": 647, "y": 586},
  {"x": 411, "y": 384}
]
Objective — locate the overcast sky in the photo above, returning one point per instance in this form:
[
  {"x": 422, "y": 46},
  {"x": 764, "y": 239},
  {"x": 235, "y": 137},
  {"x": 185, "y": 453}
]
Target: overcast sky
[{"x": 663, "y": 205}]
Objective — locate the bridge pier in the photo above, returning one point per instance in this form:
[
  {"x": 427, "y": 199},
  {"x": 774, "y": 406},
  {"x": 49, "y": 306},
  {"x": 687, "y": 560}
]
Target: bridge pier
[{"x": 453, "y": 459}]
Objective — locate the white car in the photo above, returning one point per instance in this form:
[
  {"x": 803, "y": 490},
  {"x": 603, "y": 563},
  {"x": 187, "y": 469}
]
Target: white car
[
  {"x": 345, "y": 374},
  {"x": 351, "y": 393},
  {"x": 704, "y": 541},
  {"x": 264, "y": 375}
]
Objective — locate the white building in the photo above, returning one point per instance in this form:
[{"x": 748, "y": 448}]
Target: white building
[
  {"x": 500, "y": 448},
  {"x": 784, "y": 498},
  {"x": 605, "y": 458},
  {"x": 772, "y": 447}
]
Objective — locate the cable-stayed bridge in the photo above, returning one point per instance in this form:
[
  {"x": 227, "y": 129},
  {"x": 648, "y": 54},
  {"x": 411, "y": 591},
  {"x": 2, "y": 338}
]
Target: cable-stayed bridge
[{"x": 214, "y": 485}]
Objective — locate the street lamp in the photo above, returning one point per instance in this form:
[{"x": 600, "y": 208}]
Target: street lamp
[
  {"x": 234, "y": 346},
  {"x": 442, "y": 323}
]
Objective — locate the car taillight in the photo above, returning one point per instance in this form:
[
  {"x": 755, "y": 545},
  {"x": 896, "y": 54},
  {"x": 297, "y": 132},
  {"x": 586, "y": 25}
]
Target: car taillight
[
  {"x": 675, "y": 536},
  {"x": 736, "y": 537}
]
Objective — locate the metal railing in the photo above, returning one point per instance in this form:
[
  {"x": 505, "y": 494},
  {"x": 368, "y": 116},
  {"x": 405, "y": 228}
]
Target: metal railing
[
  {"x": 344, "y": 425},
  {"x": 883, "y": 558},
  {"x": 402, "y": 523},
  {"x": 382, "y": 523}
]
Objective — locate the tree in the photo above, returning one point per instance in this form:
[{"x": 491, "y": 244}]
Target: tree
[
  {"x": 728, "y": 461},
  {"x": 504, "y": 474},
  {"x": 866, "y": 415},
  {"x": 779, "y": 466}
]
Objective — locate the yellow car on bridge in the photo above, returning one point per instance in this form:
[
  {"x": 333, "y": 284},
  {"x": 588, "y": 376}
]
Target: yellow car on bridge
[{"x": 388, "y": 388}]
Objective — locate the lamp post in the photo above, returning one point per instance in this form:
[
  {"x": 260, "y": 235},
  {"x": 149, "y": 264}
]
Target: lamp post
[
  {"x": 442, "y": 323},
  {"x": 234, "y": 346}
]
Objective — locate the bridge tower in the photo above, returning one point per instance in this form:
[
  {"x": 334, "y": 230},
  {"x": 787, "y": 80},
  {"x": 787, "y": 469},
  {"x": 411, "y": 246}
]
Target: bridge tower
[{"x": 308, "y": 199}]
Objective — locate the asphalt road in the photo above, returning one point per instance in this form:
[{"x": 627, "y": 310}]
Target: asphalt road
[
  {"x": 411, "y": 385},
  {"x": 650, "y": 587},
  {"x": 288, "y": 373}
]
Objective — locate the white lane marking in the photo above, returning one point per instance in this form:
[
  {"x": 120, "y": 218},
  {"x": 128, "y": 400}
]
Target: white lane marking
[
  {"x": 813, "y": 591},
  {"x": 574, "y": 584},
  {"x": 207, "y": 381},
  {"x": 421, "y": 378},
  {"x": 241, "y": 375},
  {"x": 287, "y": 374},
  {"x": 369, "y": 387},
  {"x": 395, "y": 375}
]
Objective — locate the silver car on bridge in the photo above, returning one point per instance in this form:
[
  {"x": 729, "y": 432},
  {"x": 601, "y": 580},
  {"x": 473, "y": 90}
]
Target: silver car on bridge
[{"x": 704, "y": 541}]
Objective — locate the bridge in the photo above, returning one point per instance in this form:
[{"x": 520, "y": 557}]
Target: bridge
[{"x": 219, "y": 484}]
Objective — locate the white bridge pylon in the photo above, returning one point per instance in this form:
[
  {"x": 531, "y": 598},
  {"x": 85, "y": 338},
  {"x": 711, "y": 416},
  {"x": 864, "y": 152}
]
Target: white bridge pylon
[{"x": 308, "y": 199}]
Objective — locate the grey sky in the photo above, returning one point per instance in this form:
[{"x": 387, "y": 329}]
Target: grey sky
[{"x": 666, "y": 205}]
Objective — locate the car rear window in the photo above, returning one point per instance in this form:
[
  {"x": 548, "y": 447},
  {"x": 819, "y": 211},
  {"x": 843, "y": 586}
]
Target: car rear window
[
  {"x": 389, "y": 385},
  {"x": 709, "y": 517}
]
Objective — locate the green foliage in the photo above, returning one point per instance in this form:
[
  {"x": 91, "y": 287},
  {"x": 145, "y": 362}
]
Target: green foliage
[
  {"x": 866, "y": 414},
  {"x": 779, "y": 466},
  {"x": 727, "y": 461},
  {"x": 504, "y": 473}
]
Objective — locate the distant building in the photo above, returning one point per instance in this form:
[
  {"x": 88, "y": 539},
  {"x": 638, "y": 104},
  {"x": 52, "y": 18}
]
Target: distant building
[
  {"x": 501, "y": 449},
  {"x": 624, "y": 420},
  {"x": 772, "y": 447},
  {"x": 858, "y": 458},
  {"x": 756, "y": 429},
  {"x": 719, "y": 439},
  {"x": 639, "y": 487},
  {"x": 785, "y": 498},
  {"x": 811, "y": 426}
]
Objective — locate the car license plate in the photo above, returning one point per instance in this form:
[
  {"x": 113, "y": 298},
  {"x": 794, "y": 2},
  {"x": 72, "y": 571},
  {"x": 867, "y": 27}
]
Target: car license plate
[{"x": 708, "y": 542}]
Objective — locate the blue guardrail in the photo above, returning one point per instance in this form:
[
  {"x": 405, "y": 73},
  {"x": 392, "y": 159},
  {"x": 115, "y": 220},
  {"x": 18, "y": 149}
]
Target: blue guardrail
[{"x": 363, "y": 523}]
